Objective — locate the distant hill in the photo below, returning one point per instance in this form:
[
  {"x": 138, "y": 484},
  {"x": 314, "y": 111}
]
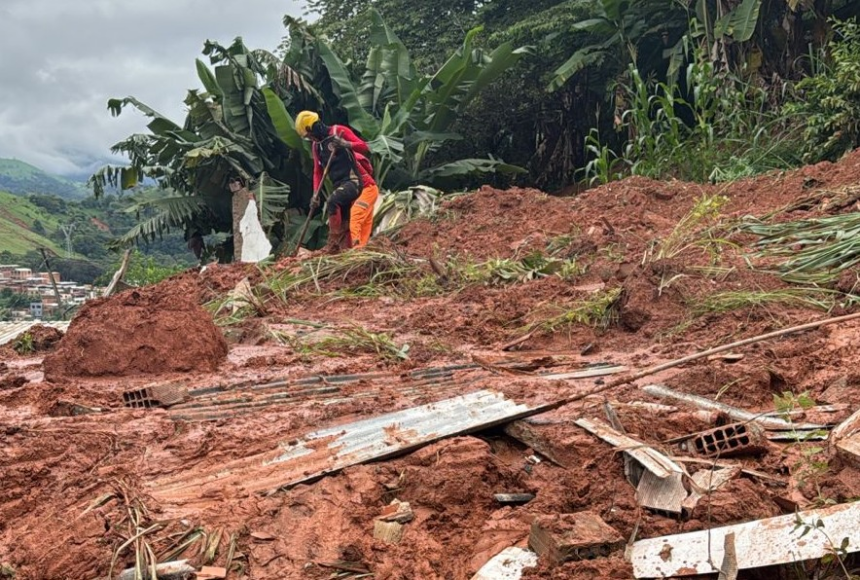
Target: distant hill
[
  {"x": 22, "y": 178},
  {"x": 17, "y": 218}
]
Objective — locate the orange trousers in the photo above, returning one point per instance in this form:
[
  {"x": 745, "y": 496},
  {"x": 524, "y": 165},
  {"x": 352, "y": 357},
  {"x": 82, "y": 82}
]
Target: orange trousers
[{"x": 361, "y": 216}]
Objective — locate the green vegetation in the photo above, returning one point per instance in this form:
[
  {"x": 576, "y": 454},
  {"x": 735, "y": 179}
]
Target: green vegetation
[
  {"x": 828, "y": 103},
  {"x": 24, "y": 344},
  {"x": 36, "y": 221},
  {"x": 731, "y": 300},
  {"x": 815, "y": 251},
  {"x": 241, "y": 128},
  {"x": 21, "y": 178},
  {"x": 598, "y": 310}
]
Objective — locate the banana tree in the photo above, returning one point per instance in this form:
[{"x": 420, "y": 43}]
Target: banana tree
[
  {"x": 227, "y": 135},
  {"x": 404, "y": 116}
]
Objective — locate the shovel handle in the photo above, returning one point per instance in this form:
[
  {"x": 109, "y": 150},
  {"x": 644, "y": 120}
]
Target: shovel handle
[{"x": 314, "y": 202}]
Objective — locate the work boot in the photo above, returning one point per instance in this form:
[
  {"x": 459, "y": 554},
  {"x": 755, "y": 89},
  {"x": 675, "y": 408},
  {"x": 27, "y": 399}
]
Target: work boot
[{"x": 338, "y": 234}]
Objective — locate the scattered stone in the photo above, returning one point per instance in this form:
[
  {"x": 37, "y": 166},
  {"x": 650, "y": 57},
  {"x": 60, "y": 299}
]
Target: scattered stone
[
  {"x": 397, "y": 511},
  {"x": 13, "y": 382},
  {"x": 580, "y": 536}
]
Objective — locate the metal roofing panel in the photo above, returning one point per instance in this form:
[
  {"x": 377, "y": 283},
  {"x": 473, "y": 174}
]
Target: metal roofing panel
[
  {"x": 768, "y": 542},
  {"x": 10, "y": 330},
  {"x": 332, "y": 449}
]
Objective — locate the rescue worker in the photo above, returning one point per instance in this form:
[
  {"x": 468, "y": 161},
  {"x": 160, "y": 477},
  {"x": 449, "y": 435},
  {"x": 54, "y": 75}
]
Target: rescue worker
[{"x": 350, "y": 207}]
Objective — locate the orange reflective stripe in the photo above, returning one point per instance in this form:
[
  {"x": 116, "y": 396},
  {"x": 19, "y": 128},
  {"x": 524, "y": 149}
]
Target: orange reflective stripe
[{"x": 362, "y": 204}]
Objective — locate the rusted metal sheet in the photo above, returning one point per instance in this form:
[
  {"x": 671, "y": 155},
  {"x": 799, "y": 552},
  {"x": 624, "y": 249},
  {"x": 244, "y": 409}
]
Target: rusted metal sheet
[
  {"x": 661, "y": 486},
  {"x": 10, "y": 330},
  {"x": 768, "y": 422},
  {"x": 665, "y": 495},
  {"x": 221, "y": 402},
  {"x": 330, "y": 450},
  {"x": 769, "y": 542}
]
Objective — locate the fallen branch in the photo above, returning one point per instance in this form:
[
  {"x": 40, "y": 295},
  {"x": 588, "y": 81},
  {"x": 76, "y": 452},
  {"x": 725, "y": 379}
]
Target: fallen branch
[{"x": 671, "y": 364}]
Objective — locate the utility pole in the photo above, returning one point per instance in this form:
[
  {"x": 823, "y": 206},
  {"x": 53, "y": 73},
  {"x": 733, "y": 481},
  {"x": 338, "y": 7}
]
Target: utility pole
[
  {"x": 51, "y": 276},
  {"x": 67, "y": 231}
]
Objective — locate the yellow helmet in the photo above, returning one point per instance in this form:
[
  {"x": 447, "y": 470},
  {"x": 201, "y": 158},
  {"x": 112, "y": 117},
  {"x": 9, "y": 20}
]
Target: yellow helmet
[{"x": 304, "y": 121}]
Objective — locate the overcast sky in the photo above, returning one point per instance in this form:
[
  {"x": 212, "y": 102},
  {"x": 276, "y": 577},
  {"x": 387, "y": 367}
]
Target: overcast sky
[{"x": 62, "y": 59}]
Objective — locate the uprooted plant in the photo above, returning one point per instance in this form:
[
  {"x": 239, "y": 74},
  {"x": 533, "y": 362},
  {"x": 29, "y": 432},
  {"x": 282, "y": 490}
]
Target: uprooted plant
[
  {"x": 815, "y": 251},
  {"x": 697, "y": 229},
  {"x": 148, "y": 542},
  {"x": 598, "y": 311},
  {"x": 732, "y": 300},
  {"x": 352, "y": 339}
]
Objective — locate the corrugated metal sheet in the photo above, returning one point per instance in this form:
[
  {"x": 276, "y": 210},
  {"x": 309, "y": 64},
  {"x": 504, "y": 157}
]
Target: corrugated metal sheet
[
  {"x": 10, "y": 330},
  {"x": 214, "y": 403},
  {"x": 767, "y": 542},
  {"x": 332, "y": 449}
]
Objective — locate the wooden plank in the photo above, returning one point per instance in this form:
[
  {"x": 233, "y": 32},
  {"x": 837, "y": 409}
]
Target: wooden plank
[
  {"x": 526, "y": 434},
  {"x": 767, "y": 542}
]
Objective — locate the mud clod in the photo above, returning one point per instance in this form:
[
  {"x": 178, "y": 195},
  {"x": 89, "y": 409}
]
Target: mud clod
[{"x": 144, "y": 331}]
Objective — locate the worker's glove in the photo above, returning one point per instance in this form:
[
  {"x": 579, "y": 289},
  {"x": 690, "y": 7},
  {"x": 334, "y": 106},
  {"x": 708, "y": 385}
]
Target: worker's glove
[{"x": 338, "y": 142}]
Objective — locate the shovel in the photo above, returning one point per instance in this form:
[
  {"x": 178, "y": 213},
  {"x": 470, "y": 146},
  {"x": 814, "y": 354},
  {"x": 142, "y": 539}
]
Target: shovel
[{"x": 315, "y": 200}]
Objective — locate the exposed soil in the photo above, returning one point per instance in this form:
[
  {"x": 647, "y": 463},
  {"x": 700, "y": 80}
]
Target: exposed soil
[
  {"x": 41, "y": 338},
  {"x": 67, "y": 440},
  {"x": 142, "y": 331}
]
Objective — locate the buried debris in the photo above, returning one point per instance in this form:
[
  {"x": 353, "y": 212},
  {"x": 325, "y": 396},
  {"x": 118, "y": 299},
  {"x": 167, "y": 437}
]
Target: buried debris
[
  {"x": 508, "y": 564},
  {"x": 329, "y": 450},
  {"x": 155, "y": 396},
  {"x": 580, "y": 536},
  {"x": 397, "y": 511},
  {"x": 514, "y": 498},
  {"x": 846, "y": 439},
  {"x": 523, "y": 432},
  {"x": 178, "y": 570},
  {"x": 769, "y": 542},
  {"x": 767, "y": 421},
  {"x": 726, "y": 441},
  {"x": 388, "y": 532},
  {"x": 660, "y": 487},
  {"x": 706, "y": 481}
]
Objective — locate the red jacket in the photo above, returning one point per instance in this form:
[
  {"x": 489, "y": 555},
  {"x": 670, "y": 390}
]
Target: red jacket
[{"x": 359, "y": 149}]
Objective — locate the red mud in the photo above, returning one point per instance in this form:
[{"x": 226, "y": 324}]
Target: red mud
[
  {"x": 55, "y": 466},
  {"x": 141, "y": 331}
]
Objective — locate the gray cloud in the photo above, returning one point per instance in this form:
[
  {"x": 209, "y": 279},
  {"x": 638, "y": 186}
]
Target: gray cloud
[{"x": 62, "y": 60}]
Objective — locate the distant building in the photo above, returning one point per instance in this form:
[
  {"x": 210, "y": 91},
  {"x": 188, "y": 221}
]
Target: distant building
[
  {"x": 36, "y": 310},
  {"x": 22, "y": 274}
]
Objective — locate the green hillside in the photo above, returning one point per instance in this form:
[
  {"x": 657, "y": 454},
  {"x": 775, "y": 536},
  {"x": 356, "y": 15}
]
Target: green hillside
[
  {"x": 21, "y": 178},
  {"x": 17, "y": 218}
]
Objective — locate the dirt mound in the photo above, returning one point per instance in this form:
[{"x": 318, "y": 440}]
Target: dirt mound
[
  {"x": 145, "y": 331},
  {"x": 490, "y": 223},
  {"x": 39, "y": 338}
]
